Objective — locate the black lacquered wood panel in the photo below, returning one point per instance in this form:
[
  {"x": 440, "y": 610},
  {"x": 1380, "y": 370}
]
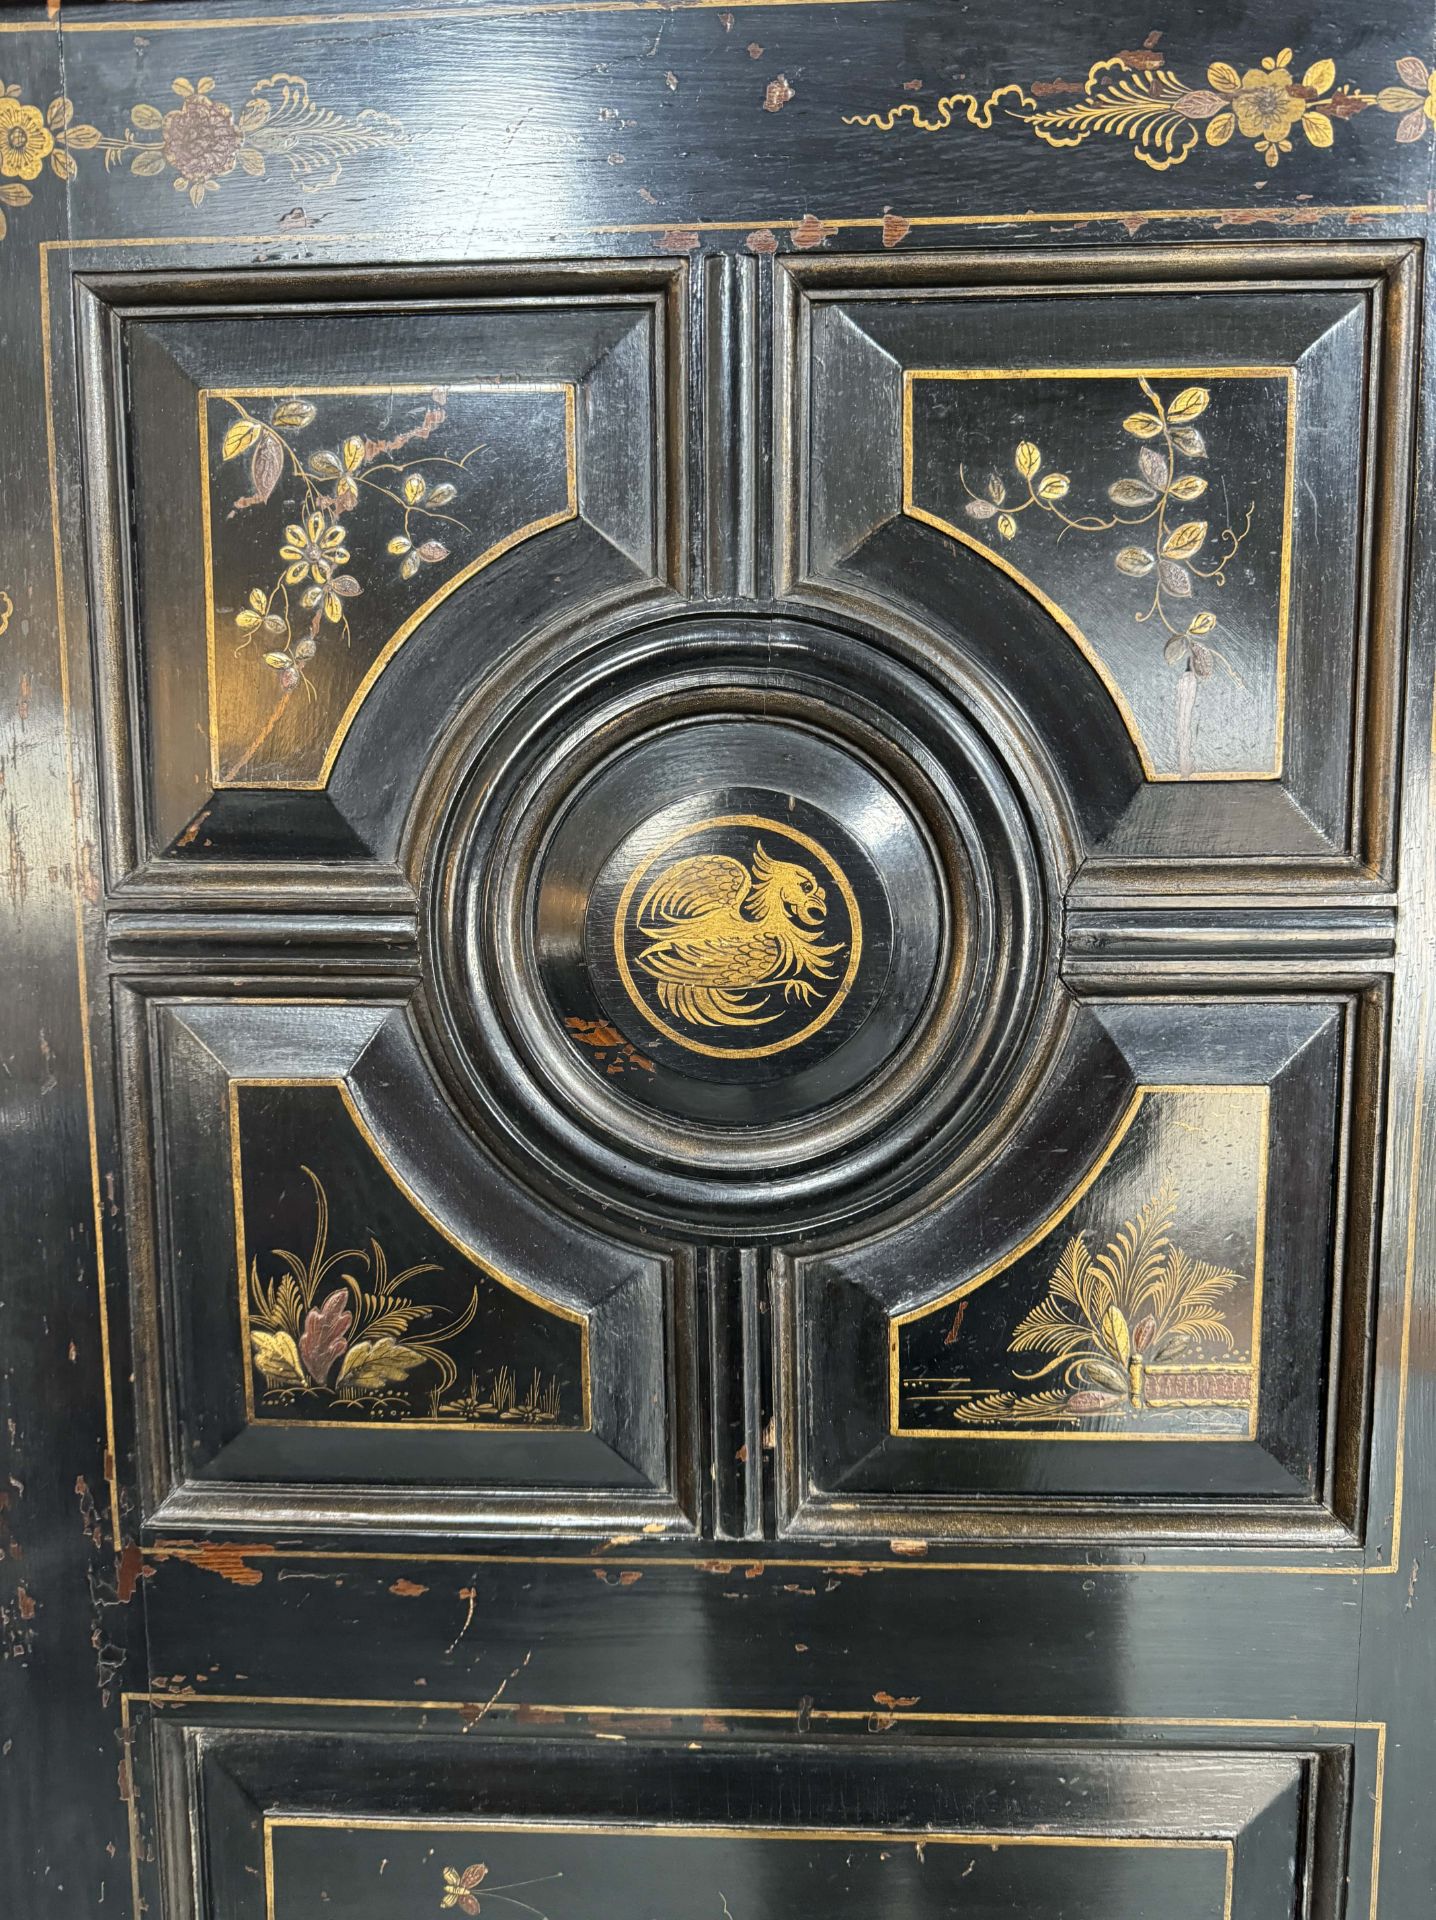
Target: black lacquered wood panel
[{"x": 715, "y": 765}]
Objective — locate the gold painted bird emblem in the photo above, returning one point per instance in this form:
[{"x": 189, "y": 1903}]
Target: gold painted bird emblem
[{"x": 721, "y": 939}]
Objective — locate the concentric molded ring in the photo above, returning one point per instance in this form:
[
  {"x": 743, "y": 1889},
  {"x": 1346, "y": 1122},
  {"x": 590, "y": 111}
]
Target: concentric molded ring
[{"x": 624, "y": 978}]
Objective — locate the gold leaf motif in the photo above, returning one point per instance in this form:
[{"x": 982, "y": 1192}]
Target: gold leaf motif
[
  {"x": 201, "y": 140},
  {"x": 1112, "y": 1325},
  {"x": 377, "y": 1363},
  {"x": 1145, "y": 498},
  {"x": 1029, "y": 459},
  {"x": 319, "y": 1331},
  {"x": 1188, "y": 404},
  {"x": 1183, "y": 541},
  {"x": 1137, "y": 96},
  {"x": 277, "y": 1357},
  {"x": 239, "y": 436},
  {"x": 1117, "y": 1334}
]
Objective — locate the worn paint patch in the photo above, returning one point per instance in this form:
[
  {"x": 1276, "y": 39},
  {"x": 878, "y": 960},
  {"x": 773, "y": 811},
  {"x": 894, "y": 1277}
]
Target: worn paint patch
[
  {"x": 778, "y": 94},
  {"x": 812, "y": 232},
  {"x": 130, "y": 1569},
  {"x": 228, "y": 1558}
]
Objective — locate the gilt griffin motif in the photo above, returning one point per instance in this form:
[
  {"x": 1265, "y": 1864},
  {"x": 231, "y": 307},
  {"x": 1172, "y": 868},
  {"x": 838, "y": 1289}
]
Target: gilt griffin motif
[{"x": 720, "y": 939}]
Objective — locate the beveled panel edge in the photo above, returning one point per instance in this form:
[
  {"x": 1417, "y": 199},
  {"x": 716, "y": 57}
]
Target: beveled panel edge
[
  {"x": 102, "y": 298},
  {"x": 1387, "y": 271}
]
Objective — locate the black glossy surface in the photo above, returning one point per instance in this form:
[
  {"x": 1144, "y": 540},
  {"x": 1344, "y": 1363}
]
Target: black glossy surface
[{"x": 733, "y": 1602}]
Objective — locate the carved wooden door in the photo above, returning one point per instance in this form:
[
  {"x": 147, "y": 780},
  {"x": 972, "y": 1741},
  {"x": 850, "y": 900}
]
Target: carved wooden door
[{"x": 716, "y": 769}]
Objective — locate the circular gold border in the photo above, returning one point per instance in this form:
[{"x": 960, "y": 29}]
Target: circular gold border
[{"x": 776, "y": 1046}]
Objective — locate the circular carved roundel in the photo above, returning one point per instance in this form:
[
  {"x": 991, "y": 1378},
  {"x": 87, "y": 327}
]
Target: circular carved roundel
[
  {"x": 738, "y": 921},
  {"x": 735, "y": 961}
]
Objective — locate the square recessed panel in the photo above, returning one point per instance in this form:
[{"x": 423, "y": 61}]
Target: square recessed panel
[
  {"x": 336, "y": 518},
  {"x": 445, "y": 1819},
  {"x": 1137, "y": 1318},
  {"x": 356, "y": 1317},
  {"x": 1138, "y": 502}
]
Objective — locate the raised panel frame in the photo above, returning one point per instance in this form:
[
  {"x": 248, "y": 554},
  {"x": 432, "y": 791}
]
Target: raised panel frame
[
  {"x": 601, "y": 564},
  {"x": 1159, "y": 850},
  {"x": 1273, "y": 1807},
  {"x": 939, "y": 1489},
  {"x": 204, "y": 1460}
]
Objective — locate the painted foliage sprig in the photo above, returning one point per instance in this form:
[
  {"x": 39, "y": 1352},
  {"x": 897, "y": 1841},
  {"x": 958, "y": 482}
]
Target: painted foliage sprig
[
  {"x": 311, "y": 587},
  {"x": 358, "y": 1338},
  {"x": 1175, "y": 553},
  {"x": 1108, "y": 1316},
  {"x": 203, "y": 139},
  {"x": 1137, "y": 97},
  {"x": 198, "y": 142}
]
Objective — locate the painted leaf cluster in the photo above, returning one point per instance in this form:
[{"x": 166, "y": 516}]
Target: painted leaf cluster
[
  {"x": 1165, "y": 543},
  {"x": 340, "y": 1324},
  {"x": 1137, "y": 97},
  {"x": 1109, "y": 1315},
  {"x": 331, "y": 490}
]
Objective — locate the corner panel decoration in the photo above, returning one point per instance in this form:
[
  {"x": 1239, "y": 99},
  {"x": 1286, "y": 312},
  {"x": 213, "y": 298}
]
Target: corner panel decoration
[
  {"x": 364, "y": 1319},
  {"x": 335, "y": 521},
  {"x": 1115, "y": 539},
  {"x": 378, "y": 1314},
  {"x": 1152, "y": 468},
  {"x": 1133, "y": 1311},
  {"x": 340, "y": 515}
]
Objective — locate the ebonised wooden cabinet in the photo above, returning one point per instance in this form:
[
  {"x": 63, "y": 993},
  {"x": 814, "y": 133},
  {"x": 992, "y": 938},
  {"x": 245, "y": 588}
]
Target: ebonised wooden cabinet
[{"x": 717, "y": 776}]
